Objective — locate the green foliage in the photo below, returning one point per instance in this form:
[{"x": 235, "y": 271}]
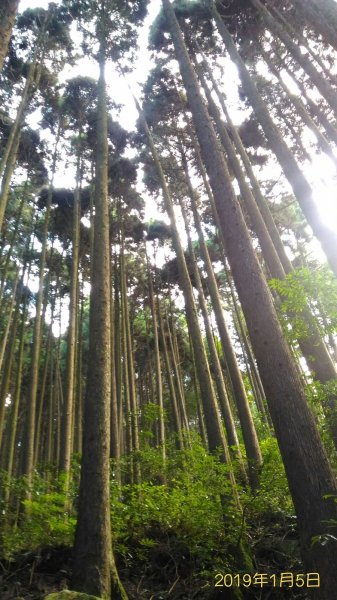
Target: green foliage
[
  {"x": 320, "y": 396},
  {"x": 188, "y": 508},
  {"x": 49, "y": 522},
  {"x": 272, "y": 496},
  {"x": 303, "y": 288},
  {"x": 41, "y": 520}
]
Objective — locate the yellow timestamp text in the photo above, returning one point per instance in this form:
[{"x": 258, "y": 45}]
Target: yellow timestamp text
[{"x": 290, "y": 580}]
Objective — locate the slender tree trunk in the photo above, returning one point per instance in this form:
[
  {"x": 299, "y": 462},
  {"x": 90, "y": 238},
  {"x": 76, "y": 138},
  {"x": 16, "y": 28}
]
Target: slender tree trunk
[
  {"x": 131, "y": 372},
  {"x": 316, "y": 112},
  {"x": 10, "y": 312},
  {"x": 79, "y": 391},
  {"x": 7, "y": 371},
  {"x": 13, "y": 242},
  {"x": 117, "y": 349},
  {"x": 239, "y": 322},
  {"x": 159, "y": 386},
  {"x": 303, "y": 60},
  {"x": 28, "y": 465},
  {"x": 312, "y": 346},
  {"x": 212, "y": 419},
  {"x": 7, "y": 19},
  {"x": 321, "y": 17},
  {"x": 32, "y": 79},
  {"x": 296, "y": 34},
  {"x": 126, "y": 394},
  {"x": 258, "y": 196},
  {"x": 232, "y": 437},
  {"x": 7, "y": 177},
  {"x": 176, "y": 415},
  {"x": 94, "y": 570},
  {"x": 13, "y": 422},
  {"x": 48, "y": 451},
  {"x": 307, "y": 467},
  {"x": 268, "y": 249},
  {"x": 322, "y": 141},
  {"x": 300, "y": 186},
  {"x": 42, "y": 393},
  {"x": 68, "y": 408},
  {"x": 179, "y": 387},
  {"x": 115, "y": 450},
  {"x": 247, "y": 425}
]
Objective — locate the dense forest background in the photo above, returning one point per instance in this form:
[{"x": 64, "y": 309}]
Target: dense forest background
[{"x": 168, "y": 299}]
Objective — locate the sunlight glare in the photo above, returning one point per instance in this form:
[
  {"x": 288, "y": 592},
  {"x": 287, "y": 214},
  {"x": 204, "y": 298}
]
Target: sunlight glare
[{"x": 321, "y": 173}]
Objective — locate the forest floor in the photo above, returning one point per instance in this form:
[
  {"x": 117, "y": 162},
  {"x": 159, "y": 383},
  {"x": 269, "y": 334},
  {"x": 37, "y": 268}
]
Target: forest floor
[{"x": 167, "y": 574}]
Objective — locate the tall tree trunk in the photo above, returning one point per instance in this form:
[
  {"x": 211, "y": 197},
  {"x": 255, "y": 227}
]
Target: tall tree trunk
[
  {"x": 246, "y": 421},
  {"x": 258, "y": 196},
  {"x": 175, "y": 365},
  {"x": 68, "y": 408},
  {"x": 79, "y": 378},
  {"x": 212, "y": 419},
  {"x": 94, "y": 570},
  {"x": 322, "y": 141},
  {"x": 296, "y": 34},
  {"x": 9, "y": 315},
  {"x": 309, "y": 473},
  {"x": 259, "y": 394},
  {"x": 13, "y": 421},
  {"x": 303, "y": 60},
  {"x": 268, "y": 249},
  {"x": 225, "y": 407},
  {"x": 175, "y": 409},
  {"x": 129, "y": 358},
  {"x": 5, "y": 262},
  {"x": 42, "y": 393},
  {"x": 117, "y": 347},
  {"x": 7, "y": 371},
  {"x": 312, "y": 346},
  {"x": 50, "y": 412},
  {"x": 315, "y": 111},
  {"x": 299, "y": 184},
  {"x": 28, "y": 465},
  {"x": 8, "y": 12},
  {"x": 159, "y": 386},
  {"x": 321, "y": 17},
  {"x": 7, "y": 177},
  {"x": 115, "y": 449},
  {"x": 30, "y": 83}
]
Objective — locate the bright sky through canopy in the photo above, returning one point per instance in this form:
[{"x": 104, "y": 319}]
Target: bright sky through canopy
[{"x": 321, "y": 171}]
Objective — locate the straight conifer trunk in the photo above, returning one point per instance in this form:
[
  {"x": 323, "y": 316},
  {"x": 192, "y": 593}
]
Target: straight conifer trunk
[
  {"x": 214, "y": 358},
  {"x": 29, "y": 454},
  {"x": 301, "y": 188},
  {"x": 8, "y": 12},
  {"x": 94, "y": 569},
  {"x": 159, "y": 384},
  {"x": 309, "y": 68},
  {"x": 68, "y": 408},
  {"x": 173, "y": 395},
  {"x": 215, "y": 433},
  {"x": 312, "y": 346},
  {"x": 321, "y": 16},
  {"x": 307, "y": 467}
]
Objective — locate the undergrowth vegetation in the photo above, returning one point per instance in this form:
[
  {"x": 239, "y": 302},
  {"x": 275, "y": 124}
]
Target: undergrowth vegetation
[{"x": 191, "y": 517}]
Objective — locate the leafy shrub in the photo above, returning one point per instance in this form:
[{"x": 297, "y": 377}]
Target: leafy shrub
[
  {"x": 188, "y": 507},
  {"x": 303, "y": 288}
]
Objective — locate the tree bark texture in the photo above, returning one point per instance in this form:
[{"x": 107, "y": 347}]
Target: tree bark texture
[{"x": 307, "y": 467}]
